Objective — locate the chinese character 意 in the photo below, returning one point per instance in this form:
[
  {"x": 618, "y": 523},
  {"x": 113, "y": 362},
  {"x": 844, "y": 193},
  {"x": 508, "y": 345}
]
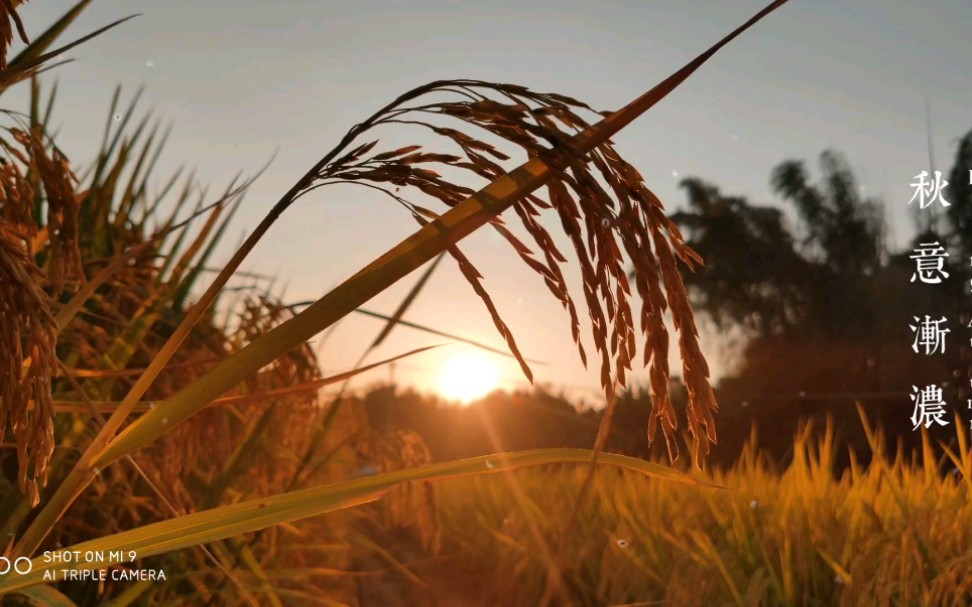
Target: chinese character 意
[
  {"x": 932, "y": 190},
  {"x": 929, "y": 406},
  {"x": 929, "y": 335},
  {"x": 930, "y": 263}
]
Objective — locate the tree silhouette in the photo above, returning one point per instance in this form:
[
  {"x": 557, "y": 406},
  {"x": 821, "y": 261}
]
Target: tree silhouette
[
  {"x": 960, "y": 195},
  {"x": 825, "y": 307},
  {"x": 752, "y": 271},
  {"x": 761, "y": 277}
]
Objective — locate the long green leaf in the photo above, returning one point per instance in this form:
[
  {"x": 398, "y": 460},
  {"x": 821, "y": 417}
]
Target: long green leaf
[{"x": 229, "y": 521}]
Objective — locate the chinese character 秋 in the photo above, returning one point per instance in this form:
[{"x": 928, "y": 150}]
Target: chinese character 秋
[{"x": 932, "y": 189}]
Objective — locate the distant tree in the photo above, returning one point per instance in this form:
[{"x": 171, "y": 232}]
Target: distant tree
[
  {"x": 825, "y": 307},
  {"x": 843, "y": 230},
  {"x": 960, "y": 195},
  {"x": 760, "y": 276},
  {"x": 752, "y": 271}
]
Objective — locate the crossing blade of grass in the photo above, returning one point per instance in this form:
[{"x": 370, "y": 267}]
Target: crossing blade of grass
[
  {"x": 78, "y": 300},
  {"x": 40, "y": 44},
  {"x": 185, "y": 288},
  {"x": 248, "y": 449},
  {"x": 840, "y": 571},
  {"x": 390, "y": 324},
  {"x": 263, "y": 581},
  {"x": 452, "y": 336},
  {"x": 708, "y": 550},
  {"x": 79, "y": 406},
  {"x": 47, "y": 596},
  {"x": 228, "y": 521},
  {"x": 132, "y": 593},
  {"x": 403, "y": 307},
  {"x": 45, "y": 40},
  {"x": 429, "y": 330},
  {"x": 24, "y": 69}
]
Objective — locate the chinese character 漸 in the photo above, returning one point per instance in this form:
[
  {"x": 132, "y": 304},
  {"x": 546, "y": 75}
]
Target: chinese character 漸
[{"x": 930, "y": 335}]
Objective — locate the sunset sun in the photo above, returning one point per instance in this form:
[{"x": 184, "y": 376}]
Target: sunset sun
[{"x": 467, "y": 376}]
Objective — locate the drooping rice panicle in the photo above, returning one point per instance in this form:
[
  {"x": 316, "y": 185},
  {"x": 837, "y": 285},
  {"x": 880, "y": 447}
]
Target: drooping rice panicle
[{"x": 606, "y": 211}]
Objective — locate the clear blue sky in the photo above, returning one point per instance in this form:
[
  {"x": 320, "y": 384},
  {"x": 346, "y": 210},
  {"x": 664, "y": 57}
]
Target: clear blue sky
[{"x": 241, "y": 80}]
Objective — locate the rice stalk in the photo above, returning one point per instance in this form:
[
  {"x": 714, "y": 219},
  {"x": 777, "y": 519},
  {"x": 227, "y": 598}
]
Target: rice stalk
[
  {"x": 27, "y": 360},
  {"x": 29, "y": 334}
]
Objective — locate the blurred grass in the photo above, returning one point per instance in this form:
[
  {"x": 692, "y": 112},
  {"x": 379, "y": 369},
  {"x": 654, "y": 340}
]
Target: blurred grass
[{"x": 896, "y": 532}]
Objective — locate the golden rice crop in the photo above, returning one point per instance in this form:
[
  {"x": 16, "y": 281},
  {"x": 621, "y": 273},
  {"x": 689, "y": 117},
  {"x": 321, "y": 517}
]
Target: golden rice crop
[
  {"x": 895, "y": 532},
  {"x": 92, "y": 294}
]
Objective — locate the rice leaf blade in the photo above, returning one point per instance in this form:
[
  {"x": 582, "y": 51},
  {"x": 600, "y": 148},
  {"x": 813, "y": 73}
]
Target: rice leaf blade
[{"x": 228, "y": 521}]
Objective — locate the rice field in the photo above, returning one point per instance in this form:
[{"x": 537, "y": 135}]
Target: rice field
[
  {"x": 166, "y": 441},
  {"x": 896, "y": 532}
]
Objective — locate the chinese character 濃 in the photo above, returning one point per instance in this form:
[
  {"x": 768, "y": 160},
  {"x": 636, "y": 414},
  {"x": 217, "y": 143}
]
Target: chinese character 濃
[{"x": 929, "y": 406}]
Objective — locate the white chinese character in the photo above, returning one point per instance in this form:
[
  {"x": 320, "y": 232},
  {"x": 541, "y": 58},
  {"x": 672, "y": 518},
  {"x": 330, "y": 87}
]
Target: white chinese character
[
  {"x": 929, "y": 335},
  {"x": 929, "y": 406},
  {"x": 930, "y": 260},
  {"x": 924, "y": 188}
]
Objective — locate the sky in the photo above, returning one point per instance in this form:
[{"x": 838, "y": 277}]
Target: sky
[{"x": 241, "y": 84}]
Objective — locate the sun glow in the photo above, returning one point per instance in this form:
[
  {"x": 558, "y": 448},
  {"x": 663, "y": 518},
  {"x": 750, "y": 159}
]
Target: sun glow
[{"x": 467, "y": 376}]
